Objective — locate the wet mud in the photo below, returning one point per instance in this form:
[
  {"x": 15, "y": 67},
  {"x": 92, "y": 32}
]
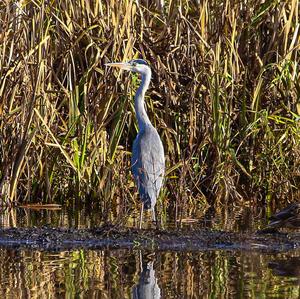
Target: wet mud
[{"x": 47, "y": 238}]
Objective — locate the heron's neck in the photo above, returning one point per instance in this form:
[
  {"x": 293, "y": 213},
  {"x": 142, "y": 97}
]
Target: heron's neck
[{"x": 139, "y": 104}]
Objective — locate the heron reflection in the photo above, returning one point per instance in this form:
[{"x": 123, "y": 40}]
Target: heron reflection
[{"x": 147, "y": 287}]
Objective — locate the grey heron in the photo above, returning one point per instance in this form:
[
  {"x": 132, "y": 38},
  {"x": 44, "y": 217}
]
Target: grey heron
[{"x": 148, "y": 159}]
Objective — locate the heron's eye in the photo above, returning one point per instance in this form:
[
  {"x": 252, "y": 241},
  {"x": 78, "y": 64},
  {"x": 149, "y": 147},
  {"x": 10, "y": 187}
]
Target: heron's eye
[{"x": 133, "y": 63}]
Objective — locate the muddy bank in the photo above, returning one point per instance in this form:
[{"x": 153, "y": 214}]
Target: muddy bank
[{"x": 47, "y": 238}]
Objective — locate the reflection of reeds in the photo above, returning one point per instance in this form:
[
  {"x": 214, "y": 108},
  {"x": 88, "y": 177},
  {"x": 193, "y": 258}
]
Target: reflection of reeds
[
  {"x": 115, "y": 274},
  {"x": 224, "y": 97}
]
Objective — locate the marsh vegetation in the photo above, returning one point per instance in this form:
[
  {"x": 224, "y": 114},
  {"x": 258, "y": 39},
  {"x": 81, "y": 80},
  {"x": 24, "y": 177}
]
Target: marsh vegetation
[{"x": 224, "y": 98}]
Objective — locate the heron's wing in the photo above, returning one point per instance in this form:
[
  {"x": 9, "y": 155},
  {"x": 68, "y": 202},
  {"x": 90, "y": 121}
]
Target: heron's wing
[{"x": 148, "y": 165}]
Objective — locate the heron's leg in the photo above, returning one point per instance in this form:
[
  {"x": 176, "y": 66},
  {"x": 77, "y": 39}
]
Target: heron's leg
[
  {"x": 141, "y": 261},
  {"x": 156, "y": 218},
  {"x": 141, "y": 215},
  {"x": 153, "y": 212}
]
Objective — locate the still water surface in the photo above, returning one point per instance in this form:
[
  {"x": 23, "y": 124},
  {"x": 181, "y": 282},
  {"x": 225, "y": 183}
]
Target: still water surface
[{"x": 143, "y": 274}]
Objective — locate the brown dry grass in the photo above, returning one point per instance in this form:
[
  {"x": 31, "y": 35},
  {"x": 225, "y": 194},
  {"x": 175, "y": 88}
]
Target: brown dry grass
[{"x": 224, "y": 97}]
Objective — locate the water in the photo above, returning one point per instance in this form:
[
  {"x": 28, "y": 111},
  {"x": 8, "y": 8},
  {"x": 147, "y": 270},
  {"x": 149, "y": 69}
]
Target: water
[
  {"x": 230, "y": 219},
  {"x": 135, "y": 274},
  {"x": 145, "y": 274}
]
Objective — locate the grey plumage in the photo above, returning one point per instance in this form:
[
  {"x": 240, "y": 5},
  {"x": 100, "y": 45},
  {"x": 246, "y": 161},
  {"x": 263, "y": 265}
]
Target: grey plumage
[
  {"x": 148, "y": 160},
  {"x": 148, "y": 165}
]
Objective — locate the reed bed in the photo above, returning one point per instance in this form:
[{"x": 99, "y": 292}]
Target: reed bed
[{"x": 224, "y": 98}]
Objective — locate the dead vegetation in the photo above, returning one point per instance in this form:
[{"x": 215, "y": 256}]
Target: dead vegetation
[{"x": 224, "y": 97}]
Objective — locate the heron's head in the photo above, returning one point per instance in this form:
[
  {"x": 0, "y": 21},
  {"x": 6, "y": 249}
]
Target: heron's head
[{"x": 136, "y": 65}]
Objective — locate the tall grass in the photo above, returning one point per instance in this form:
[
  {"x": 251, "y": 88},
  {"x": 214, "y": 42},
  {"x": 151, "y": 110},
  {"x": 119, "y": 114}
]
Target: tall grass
[{"x": 224, "y": 97}]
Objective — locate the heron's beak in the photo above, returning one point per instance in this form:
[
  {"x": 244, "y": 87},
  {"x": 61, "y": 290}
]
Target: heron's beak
[{"x": 121, "y": 65}]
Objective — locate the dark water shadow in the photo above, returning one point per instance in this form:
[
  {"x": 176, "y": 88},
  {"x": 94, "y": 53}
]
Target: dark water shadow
[{"x": 289, "y": 267}]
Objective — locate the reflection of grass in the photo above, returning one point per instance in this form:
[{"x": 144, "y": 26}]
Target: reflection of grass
[
  {"x": 113, "y": 274},
  {"x": 224, "y": 98}
]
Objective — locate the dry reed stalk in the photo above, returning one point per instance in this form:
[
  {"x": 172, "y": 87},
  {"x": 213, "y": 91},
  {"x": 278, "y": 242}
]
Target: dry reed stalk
[{"x": 224, "y": 97}]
